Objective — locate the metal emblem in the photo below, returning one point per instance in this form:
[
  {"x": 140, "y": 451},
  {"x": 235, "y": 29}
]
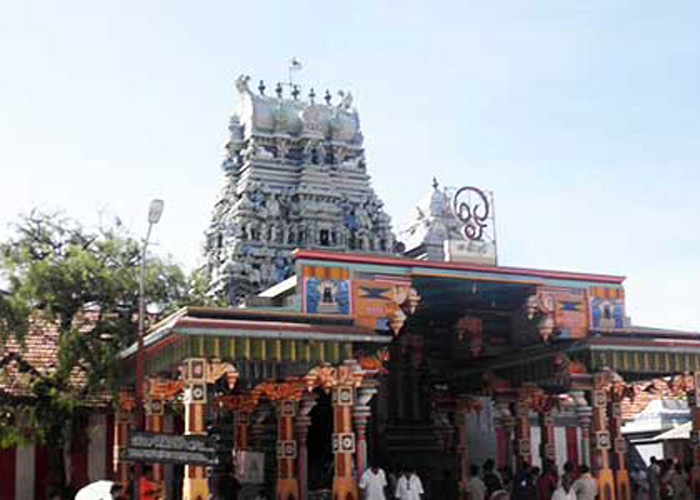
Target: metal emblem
[{"x": 471, "y": 208}]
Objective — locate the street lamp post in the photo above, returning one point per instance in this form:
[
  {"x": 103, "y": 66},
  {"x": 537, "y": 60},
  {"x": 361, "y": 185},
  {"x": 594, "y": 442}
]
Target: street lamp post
[{"x": 155, "y": 210}]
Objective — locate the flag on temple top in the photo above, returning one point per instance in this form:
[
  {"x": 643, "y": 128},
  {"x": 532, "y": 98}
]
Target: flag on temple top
[{"x": 295, "y": 64}]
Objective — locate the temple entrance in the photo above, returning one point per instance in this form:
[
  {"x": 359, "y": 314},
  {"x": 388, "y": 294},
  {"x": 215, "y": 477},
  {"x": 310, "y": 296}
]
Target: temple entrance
[{"x": 319, "y": 445}]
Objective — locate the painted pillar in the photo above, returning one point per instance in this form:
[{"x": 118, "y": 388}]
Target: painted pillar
[
  {"x": 360, "y": 416},
  {"x": 522, "y": 448},
  {"x": 287, "y": 485},
  {"x": 344, "y": 484},
  {"x": 461, "y": 446},
  {"x": 548, "y": 452},
  {"x": 258, "y": 427},
  {"x": 122, "y": 424},
  {"x": 303, "y": 423},
  {"x": 693, "y": 395},
  {"x": 154, "y": 408},
  {"x": 508, "y": 426},
  {"x": 122, "y": 421},
  {"x": 195, "y": 481},
  {"x": 601, "y": 440},
  {"x": 584, "y": 415},
  {"x": 619, "y": 462},
  {"x": 242, "y": 425}
]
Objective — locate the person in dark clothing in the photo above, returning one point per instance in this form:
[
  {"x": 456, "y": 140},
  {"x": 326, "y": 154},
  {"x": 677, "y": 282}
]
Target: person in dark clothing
[
  {"x": 520, "y": 479},
  {"x": 530, "y": 489},
  {"x": 547, "y": 482},
  {"x": 570, "y": 472},
  {"x": 491, "y": 479},
  {"x": 506, "y": 476}
]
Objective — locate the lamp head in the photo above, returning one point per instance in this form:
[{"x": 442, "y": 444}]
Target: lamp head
[{"x": 155, "y": 210}]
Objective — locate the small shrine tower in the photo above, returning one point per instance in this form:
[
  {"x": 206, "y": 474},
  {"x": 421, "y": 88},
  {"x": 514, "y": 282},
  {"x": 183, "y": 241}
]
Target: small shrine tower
[
  {"x": 451, "y": 224},
  {"x": 295, "y": 177}
]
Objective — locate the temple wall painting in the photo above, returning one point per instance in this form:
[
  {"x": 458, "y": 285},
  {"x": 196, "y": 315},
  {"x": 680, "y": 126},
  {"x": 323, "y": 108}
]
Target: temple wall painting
[
  {"x": 607, "y": 307},
  {"x": 570, "y": 313},
  {"x": 326, "y": 290},
  {"x": 374, "y": 300}
]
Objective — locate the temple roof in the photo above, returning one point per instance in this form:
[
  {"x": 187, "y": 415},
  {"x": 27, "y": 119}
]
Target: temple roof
[
  {"x": 457, "y": 269},
  {"x": 261, "y": 114},
  {"x": 250, "y": 337}
]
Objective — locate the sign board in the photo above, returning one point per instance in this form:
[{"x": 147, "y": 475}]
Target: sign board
[
  {"x": 474, "y": 252},
  {"x": 170, "y": 448},
  {"x": 250, "y": 467}
]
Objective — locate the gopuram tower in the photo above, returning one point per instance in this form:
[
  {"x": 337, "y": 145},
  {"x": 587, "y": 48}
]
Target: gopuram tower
[{"x": 295, "y": 177}]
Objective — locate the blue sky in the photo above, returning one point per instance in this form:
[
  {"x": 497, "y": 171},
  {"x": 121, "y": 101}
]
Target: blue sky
[{"x": 582, "y": 117}]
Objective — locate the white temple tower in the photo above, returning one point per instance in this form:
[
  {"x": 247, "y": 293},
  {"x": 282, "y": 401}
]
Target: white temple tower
[{"x": 295, "y": 177}]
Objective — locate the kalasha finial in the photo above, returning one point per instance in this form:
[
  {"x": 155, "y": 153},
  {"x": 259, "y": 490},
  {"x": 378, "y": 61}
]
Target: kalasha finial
[
  {"x": 312, "y": 96},
  {"x": 278, "y": 90},
  {"x": 328, "y": 97},
  {"x": 295, "y": 92},
  {"x": 435, "y": 183},
  {"x": 261, "y": 88}
]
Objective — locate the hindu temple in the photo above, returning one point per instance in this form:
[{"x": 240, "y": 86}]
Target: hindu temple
[{"x": 348, "y": 345}]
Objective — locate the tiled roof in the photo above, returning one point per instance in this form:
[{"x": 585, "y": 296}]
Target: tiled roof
[
  {"x": 644, "y": 394},
  {"x": 39, "y": 350}
]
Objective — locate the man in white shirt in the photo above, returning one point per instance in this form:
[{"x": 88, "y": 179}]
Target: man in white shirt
[
  {"x": 372, "y": 483},
  {"x": 476, "y": 488},
  {"x": 564, "y": 491},
  {"x": 585, "y": 487},
  {"x": 409, "y": 486}
]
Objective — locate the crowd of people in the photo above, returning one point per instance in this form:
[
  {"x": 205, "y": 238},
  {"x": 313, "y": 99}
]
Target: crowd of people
[
  {"x": 662, "y": 480},
  {"x": 530, "y": 483}
]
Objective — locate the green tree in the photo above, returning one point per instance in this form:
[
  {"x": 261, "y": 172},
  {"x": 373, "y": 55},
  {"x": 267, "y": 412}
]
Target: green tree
[{"x": 84, "y": 284}]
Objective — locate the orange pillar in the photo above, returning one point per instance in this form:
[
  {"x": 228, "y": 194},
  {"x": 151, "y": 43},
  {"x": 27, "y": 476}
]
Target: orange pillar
[
  {"x": 303, "y": 422},
  {"x": 622, "y": 480},
  {"x": 523, "y": 448},
  {"x": 195, "y": 481},
  {"x": 507, "y": 422},
  {"x": 242, "y": 425},
  {"x": 601, "y": 440},
  {"x": 547, "y": 446},
  {"x": 693, "y": 395},
  {"x": 122, "y": 421},
  {"x": 344, "y": 484},
  {"x": 287, "y": 485},
  {"x": 154, "y": 423},
  {"x": 461, "y": 447}
]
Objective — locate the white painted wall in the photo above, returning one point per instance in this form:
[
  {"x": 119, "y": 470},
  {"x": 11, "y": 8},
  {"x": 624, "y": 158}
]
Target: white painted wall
[
  {"x": 535, "y": 440},
  {"x": 24, "y": 474},
  {"x": 481, "y": 434},
  {"x": 97, "y": 447},
  {"x": 560, "y": 447}
]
